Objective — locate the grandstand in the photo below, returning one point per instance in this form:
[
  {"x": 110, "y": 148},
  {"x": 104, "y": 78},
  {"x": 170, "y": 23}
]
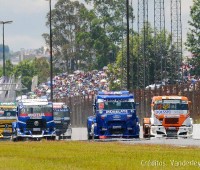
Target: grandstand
[{"x": 8, "y": 88}]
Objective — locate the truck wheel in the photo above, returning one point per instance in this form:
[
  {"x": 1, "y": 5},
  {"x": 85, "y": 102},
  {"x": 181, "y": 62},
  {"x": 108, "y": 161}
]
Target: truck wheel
[
  {"x": 14, "y": 137},
  {"x": 146, "y": 136},
  {"x": 51, "y": 138},
  {"x": 89, "y": 136},
  {"x": 68, "y": 137},
  {"x": 137, "y": 136},
  {"x": 146, "y": 132}
]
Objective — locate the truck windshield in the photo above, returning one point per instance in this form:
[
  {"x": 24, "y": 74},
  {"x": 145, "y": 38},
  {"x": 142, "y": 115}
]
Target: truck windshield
[
  {"x": 36, "y": 109},
  {"x": 171, "y": 106},
  {"x": 8, "y": 113},
  {"x": 61, "y": 114},
  {"x": 110, "y": 105}
]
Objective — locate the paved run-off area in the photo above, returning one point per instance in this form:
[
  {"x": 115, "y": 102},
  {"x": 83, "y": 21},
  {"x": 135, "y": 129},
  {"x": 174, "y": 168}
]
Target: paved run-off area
[{"x": 81, "y": 134}]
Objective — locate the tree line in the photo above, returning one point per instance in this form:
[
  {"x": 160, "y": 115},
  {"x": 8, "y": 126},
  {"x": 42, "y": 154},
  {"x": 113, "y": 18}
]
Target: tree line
[{"x": 91, "y": 38}]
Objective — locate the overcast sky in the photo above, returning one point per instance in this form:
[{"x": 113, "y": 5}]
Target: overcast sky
[{"x": 29, "y": 17}]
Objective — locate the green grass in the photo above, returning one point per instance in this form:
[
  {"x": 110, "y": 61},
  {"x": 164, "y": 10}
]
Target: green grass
[{"x": 72, "y": 155}]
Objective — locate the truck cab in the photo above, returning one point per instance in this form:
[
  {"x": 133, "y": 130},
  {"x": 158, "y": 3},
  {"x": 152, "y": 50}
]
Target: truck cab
[
  {"x": 34, "y": 120},
  {"x": 7, "y": 116},
  {"x": 170, "y": 117},
  {"x": 62, "y": 120},
  {"x": 114, "y": 116}
]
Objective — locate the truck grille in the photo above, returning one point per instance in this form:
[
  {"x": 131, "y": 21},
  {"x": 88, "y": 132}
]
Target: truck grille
[
  {"x": 171, "y": 120},
  {"x": 35, "y": 123},
  {"x": 59, "y": 125},
  {"x": 116, "y": 127},
  {"x": 61, "y": 128},
  {"x": 116, "y": 131},
  {"x": 120, "y": 123},
  {"x": 5, "y": 125}
]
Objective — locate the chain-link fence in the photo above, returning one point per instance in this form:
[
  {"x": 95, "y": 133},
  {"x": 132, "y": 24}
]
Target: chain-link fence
[
  {"x": 81, "y": 106},
  {"x": 192, "y": 91}
]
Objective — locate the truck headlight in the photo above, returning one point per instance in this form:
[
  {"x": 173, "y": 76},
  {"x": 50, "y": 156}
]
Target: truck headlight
[
  {"x": 103, "y": 116},
  {"x": 129, "y": 116}
]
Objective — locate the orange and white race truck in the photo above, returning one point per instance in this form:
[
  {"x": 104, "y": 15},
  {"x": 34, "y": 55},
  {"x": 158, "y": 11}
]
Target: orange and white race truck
[{"x": 170, "y": 117}]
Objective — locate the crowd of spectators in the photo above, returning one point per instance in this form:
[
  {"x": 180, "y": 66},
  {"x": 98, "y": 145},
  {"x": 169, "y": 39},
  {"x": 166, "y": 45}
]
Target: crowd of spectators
[
  {"x": 88, "y": 83},
  {"x": 78, "y": 83},
  {"x": 188, "y": 73}
]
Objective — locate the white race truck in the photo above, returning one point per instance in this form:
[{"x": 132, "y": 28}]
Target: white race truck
[{"x": 170, "y": 117}]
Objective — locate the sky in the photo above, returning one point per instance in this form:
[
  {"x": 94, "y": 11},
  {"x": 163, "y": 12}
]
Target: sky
[{"x": 29, "y": 18}]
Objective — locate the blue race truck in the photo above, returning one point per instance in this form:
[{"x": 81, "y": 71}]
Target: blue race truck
[
  {"x": 114, "y": 116},
  {"x": 34, "y": 120},
  {"x": 62, "y": 120}
]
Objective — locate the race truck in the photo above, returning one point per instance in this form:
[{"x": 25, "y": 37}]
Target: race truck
[
  {"x": 7, "y": 116},
  {"x": 62, "y": 120},
  {"x": 114, "y": 116},
  {"x": 170, "y": 117},
  {"x": 34, "y": 120}
]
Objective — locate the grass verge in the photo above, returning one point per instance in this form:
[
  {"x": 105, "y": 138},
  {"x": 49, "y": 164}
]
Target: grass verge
[{"x": 62, "y": 155}]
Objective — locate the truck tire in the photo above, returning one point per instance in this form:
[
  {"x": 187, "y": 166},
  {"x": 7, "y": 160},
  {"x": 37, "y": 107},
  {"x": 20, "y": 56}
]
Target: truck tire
[
  {"x": 137, "y": 137},
  {"x": 51, "y": 138},
  {"x": 14, "y": 137},
  {"x": 89, "y": 136},
  {"x": 146, "y": 132}
]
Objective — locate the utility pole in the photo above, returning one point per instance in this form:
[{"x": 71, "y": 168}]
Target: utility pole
[{"x": 3, "y": 23}]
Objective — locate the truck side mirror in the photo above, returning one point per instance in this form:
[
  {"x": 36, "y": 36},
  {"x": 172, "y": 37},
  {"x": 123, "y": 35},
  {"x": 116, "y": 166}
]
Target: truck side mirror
[
  {"x": 94, "y": 105},
  {"x": 94, "y": 108}
]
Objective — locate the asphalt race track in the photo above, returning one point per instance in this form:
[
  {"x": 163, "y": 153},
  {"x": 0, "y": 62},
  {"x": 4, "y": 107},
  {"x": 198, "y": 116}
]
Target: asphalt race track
[{"x": 81, "y": 134}]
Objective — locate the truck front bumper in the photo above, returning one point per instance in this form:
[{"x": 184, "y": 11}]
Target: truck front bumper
[
  {"x": 160, "y": 131},
  {"x": 29, "y": 134}
]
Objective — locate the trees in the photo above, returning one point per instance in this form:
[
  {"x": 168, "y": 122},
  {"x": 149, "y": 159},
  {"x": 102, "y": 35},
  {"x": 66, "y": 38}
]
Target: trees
[
  {"x": 41, "y": 68},
  {"x": 86, "y": 38},
  {"x": 26, "y": 70},
  {"x": 9, "y": 68},
  {"x": 151, "y": 58},
  {"x": 66, "y": 23},
  {"x": 193, "y": 36},
  {"x": 108, "y": 29},
  {"x": 29, "y": 68}
]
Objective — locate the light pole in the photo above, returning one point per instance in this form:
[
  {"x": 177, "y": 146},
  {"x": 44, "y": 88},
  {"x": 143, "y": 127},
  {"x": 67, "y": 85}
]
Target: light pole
[
  {"x": 51, "y": 57},
  {"x": 3, "y": 23},
  {"x": 127, "y": 50}
]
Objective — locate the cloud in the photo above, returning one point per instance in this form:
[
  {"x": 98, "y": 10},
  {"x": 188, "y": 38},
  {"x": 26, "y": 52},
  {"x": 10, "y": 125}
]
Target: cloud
[
  {"x": 23, "y": 6},
  {"x": 29, "y": 17},
  {"x": 24, "y": 41},
  {"x": 185, "y": 6}
]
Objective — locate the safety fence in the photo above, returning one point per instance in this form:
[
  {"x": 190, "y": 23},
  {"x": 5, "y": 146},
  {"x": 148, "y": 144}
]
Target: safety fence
[
  {"x": 81, "y": 106},
  {"x": 143, "y": 98}
]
